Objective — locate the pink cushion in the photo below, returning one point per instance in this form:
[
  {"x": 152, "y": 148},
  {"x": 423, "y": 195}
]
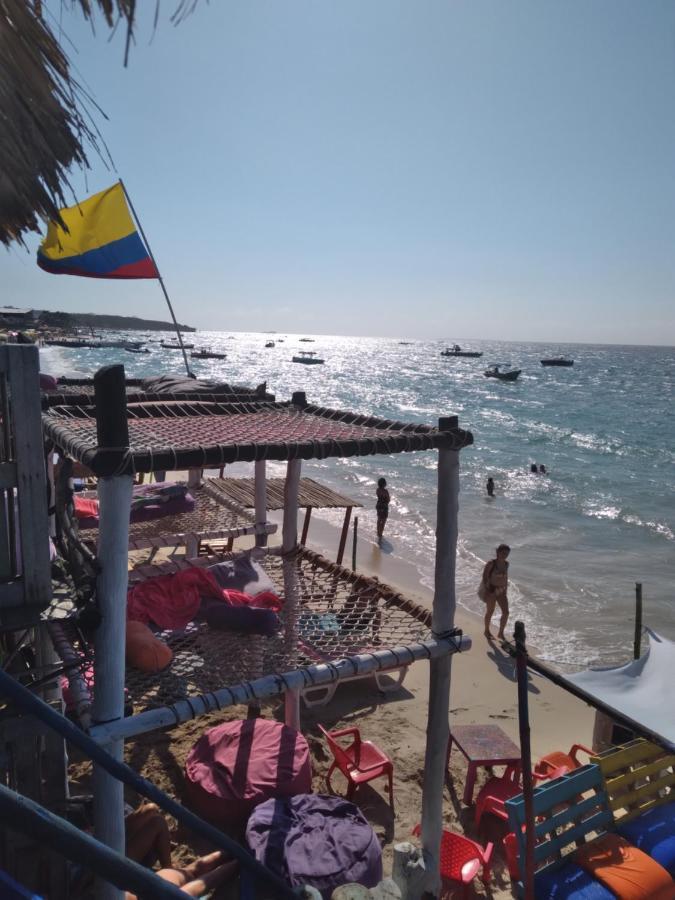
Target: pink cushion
[{"x": 235, "y": 766}]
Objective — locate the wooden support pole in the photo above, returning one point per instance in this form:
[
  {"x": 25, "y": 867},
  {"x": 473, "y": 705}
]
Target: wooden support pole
[
  {"x": 443, "y": 619},
  {"x": 289, "y": 541},
  {"x": 343, "y": 536},
  {"x": 525, "y": 758},
  {"x": 260, "y": 487},
  {"x": 305, "y": 526},
  {"x": 354, "y": 540},
  {"x": 114, "y": 494},
  {"x": 637, "y": 641}
]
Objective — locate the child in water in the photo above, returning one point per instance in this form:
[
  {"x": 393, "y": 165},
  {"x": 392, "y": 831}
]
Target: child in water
[{"x": 382, "y": 507}]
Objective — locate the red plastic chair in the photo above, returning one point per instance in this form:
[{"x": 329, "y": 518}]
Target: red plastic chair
[
  {"x": 462, "y": 859},
  {"x": 360, "y": 762},
  {"x": 560, "y": 762},
  {"x": 496, "y": 791}
]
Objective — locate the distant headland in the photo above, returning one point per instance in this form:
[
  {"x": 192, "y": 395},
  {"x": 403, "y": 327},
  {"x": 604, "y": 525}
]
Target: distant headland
[{"x": 70, "y": 321}]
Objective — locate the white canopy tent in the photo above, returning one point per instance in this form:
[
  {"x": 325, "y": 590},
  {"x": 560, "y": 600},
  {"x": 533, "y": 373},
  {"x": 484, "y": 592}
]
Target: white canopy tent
[{"x": 641, "y": 690}]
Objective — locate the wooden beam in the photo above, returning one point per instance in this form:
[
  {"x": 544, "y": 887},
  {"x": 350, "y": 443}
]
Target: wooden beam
[
  {"x": 305, "y": 525},
  {"x": 343, "y": 536}
]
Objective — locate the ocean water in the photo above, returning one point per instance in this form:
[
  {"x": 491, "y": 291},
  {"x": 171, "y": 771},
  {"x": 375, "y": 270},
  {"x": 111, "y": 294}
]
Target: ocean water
[{"x": 602, "y": 519}]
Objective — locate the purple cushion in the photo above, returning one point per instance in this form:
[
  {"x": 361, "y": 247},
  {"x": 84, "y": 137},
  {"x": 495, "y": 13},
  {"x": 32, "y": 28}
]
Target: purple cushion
[
  {"x": 316, "y": 840},
  {"x": 245, "y": 619},
  {"x": 157, "y": 507},
  {"x": 242, "y": 575}
]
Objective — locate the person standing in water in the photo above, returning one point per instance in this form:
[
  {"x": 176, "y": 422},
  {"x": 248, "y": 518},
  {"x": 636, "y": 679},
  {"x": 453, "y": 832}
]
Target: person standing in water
[
  {"x": 382, "y": 506},
  {"x": 490, "y": 487},
  {"x": 493, "y": 589}
]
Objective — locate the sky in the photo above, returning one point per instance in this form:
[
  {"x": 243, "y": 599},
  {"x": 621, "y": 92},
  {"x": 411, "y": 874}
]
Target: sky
[{"x": 449, "y": 169}]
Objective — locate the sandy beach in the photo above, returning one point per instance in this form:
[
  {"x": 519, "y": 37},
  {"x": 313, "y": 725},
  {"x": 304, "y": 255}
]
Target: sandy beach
[{"x": 483, "y": 691}]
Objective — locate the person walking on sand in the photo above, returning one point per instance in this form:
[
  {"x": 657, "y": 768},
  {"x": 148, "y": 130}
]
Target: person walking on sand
[
  {"x": 382, "y": 507},
  {"x": 490, "y": 487},
  {"x": 493, "y": 589}
]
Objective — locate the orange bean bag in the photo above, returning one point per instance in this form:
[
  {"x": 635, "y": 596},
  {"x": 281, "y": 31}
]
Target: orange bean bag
[
  {"x": 625, "y": 870},
  {"x": 145, "y": 651}
]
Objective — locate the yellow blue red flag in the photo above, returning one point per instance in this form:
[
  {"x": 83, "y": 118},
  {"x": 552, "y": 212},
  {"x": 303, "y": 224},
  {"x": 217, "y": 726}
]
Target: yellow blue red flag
[{"x": 101, "y": 240}]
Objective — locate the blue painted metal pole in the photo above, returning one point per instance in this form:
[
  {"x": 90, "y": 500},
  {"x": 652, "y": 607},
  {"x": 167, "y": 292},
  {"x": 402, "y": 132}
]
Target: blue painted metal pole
[
  {"x": 29, "y": 703},
  {"x": 526, "y": 758},
  {"x": 24, "y": 815}
]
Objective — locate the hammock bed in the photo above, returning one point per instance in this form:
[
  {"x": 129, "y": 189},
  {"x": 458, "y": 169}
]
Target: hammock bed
[
  {"x": 172, "y": 436},
  {"x": 214, "y": 517},
  {"x": 338, "y": 614}
]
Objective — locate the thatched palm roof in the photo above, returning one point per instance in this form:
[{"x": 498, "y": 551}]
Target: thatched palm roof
[{"x": 44, "y": 126}]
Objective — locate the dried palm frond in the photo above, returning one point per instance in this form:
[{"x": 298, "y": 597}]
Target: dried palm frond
[{"x": 44, "y": 121}]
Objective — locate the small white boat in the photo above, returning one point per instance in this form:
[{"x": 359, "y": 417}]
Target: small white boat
[
  {"x": 308, "y": 357},
  {"x": 269, "y": 344}
]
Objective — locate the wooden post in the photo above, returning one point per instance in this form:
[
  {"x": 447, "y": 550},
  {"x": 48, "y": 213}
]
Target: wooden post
[
  {"x": 114, "y": 493},
  {"x": 289, "y": 541},
  {"x": 526, "y": 758},
  {"x": 343, "y": 536},
  {"x": 260, "y": 500},
  {"x": 637, "y": 641},
  {"x": 305, "y": 526},
  {"x": 443, "y": 619},
  {"x": 354, "y": 539}
]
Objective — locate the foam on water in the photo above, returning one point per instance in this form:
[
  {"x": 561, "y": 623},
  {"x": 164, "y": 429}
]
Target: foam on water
[{"x": 602, "y": 519}]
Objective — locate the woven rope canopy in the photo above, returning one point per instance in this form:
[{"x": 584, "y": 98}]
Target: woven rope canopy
[{"x": 182, "y": 435}]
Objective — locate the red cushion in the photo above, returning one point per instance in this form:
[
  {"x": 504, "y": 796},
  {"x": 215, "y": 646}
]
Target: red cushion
[{"x": 235, "y": 766}]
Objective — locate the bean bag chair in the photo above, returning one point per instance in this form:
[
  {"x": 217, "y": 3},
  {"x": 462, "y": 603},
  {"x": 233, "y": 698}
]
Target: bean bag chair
[
  {"x": 145, "y": 651},
  {"x": 654, "y": 833},
  {"x": 569, "y": 882},
  {"x": 623, "y": 869},
  {"x": 237, "y": 765},
  {"x": 316, "y": 840}
]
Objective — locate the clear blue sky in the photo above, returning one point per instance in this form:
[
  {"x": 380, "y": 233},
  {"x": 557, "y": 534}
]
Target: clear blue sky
[{"x": 421, "y": 169}]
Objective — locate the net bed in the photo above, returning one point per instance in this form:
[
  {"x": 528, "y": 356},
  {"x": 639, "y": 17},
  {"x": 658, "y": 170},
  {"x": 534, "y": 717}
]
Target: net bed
[
  {"x": 338, "y": 614},
  {"x": 214, "y": 517},
  {"x": 175, "y": 435}
]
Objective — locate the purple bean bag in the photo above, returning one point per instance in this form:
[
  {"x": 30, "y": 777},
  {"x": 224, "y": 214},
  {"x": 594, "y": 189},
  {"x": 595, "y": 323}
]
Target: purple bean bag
[
  {"x": 316, "y": 840},
  {"x": 235, "y": 766}
]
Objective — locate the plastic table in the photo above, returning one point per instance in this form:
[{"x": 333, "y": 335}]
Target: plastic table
[{"x": 482, "y": 745}]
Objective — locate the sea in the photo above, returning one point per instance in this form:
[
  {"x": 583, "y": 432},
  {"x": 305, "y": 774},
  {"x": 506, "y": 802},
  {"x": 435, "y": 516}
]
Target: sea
[{"x": 582, "y": 536}]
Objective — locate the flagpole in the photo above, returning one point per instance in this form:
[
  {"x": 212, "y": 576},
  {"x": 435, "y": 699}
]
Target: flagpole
[{"x": 161, "y": 280}]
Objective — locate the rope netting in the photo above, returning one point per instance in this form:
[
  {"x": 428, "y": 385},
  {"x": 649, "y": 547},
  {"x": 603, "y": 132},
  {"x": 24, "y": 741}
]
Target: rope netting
[
  {"x": 175, "y": 435},
  {"x": 338, "y": 614},
  {"x": 213, "y": 518}
]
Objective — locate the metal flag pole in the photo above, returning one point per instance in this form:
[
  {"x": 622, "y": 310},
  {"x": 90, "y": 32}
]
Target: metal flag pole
[{"x": 159, "y": 277}]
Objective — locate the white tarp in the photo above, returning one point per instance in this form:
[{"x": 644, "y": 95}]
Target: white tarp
[{"x": 643, "y": 690}]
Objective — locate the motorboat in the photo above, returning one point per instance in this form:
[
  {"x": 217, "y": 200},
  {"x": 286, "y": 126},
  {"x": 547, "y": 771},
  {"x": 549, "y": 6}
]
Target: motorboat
[
  {"x": 495, "y": 372},
  {"x": 456, "y": 350},
  {"x": 207, "y": 353},
  {"x": 270, "y": 344},
  {"x": 136, "y": 349},
  {"x": 167, "y": 345},
  {"x": 308, "y": 357},
  {"x": 557, "y": 361},
  {"x": 307, "y": 340}
]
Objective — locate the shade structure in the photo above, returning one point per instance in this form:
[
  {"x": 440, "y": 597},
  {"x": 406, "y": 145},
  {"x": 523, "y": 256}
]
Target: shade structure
[
  {"x": 642, "y": 690},
  {"x": 178, "y": 435}
]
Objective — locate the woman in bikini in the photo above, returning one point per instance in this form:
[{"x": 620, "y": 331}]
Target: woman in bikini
[
  {"x": 494, "y": 585},
  {"x": 382, "y": 507}
]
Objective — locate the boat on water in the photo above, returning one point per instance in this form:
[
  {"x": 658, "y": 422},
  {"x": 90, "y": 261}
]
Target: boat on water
[
  {"x": 77, "y": 344},
  {"x": 405, "y": 343},
  {"x": 308, "y": 357},
  {"x": 270, "y": 344},
  {"x": 456, "y": 350},
  {"x": 136, "y": 349},
  {"x": 207, "y": 353},
  {"x": 307, "y": 340},
  {"x": 169, "y": 346},
  {"x": 496, "y": 372},
  {"x": 557, "y": 361}
]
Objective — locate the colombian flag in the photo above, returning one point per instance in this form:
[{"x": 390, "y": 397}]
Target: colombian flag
[{"x": 101, "y": 241}]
